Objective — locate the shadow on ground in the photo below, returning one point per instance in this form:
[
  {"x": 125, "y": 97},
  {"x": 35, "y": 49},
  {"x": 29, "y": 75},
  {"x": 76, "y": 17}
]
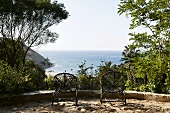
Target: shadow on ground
[{"x": 89, "y": 106}]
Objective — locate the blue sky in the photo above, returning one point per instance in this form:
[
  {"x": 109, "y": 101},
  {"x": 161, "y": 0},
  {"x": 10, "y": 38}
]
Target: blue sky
[{"x": 92, "y": 25}]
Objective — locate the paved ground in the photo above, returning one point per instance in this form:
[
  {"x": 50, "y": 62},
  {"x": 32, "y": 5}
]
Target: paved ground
[{"x": 90, "y": 106}]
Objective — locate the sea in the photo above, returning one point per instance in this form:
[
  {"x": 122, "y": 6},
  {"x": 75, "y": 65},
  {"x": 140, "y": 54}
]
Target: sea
[{"x": 69, "y": 61}]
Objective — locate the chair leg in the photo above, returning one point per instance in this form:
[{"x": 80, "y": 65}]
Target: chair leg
[
  {"x": 101, "y": 98},
  {"x": 76, "y": 101},
  {"x": 76, "y": 97},
  {"x": 52, "y": 100},
  {"x": 54, "y": 94},
  {"x": 123, "y": 98}
]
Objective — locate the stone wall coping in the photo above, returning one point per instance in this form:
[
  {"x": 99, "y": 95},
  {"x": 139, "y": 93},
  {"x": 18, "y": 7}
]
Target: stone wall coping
[
  {"x": 39, "y": 92},
  {"x": 42, "y": 95},
  {"x": 95, "y": 91},
  {"x": 148, "y": 93}
]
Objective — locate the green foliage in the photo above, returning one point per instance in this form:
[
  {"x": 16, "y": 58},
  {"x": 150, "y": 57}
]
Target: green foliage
[
  {"x": 31, "y": 19},
  {"x": 86, "y": 78},
  {"x": 8, "y": 79},
  {"x": 143, "y": 88},
  {"x": 35, "y": 76},
  {"x": 149, "y": 51},
  {"x": 88, "y": 82},
  {"x": 27, "y": 23},
  {"x": 86, "y": 71},
  {"x": 129, "y": 85},
  {"x": 10, "y": 54},
  {"x": 15, "y": 81},
  {"x": 167, "y": 88},
  {"x": 107, "y": 66},
  {"x": 49, "y": 82}
]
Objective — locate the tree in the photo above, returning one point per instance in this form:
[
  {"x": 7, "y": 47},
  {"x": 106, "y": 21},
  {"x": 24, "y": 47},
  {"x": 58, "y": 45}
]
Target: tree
[
  {"x": 27, "y": 23},
  {"x": 7, "y": 52},
  {"x": 153, "y": 45}
]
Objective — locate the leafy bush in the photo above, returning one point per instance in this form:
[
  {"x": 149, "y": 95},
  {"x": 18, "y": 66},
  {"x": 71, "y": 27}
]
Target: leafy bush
[
  {"x": 88, "y": 82},
  {"x": 15, "y": 81},
  {"x": 167, "y": 85},
  {"x": 129, "y": 85},
  {"x": 49, "y": 82},
  {"x": 34, "y": 77},
  {"x": 86, "y": 78},
  {"x": 11, "y": 52},
  {"x": 9, "y": 79}
]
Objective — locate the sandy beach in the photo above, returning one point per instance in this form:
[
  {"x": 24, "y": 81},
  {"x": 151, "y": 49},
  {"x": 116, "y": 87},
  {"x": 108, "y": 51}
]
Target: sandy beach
[{"x": 90, "y": 105}]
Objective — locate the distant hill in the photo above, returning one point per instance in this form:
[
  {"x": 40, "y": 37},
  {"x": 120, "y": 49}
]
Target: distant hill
[{"x": 38, "y": 59}]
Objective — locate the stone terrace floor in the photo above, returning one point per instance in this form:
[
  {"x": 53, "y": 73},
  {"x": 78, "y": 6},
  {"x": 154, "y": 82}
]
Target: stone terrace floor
[{"x": 87, "y": 105}]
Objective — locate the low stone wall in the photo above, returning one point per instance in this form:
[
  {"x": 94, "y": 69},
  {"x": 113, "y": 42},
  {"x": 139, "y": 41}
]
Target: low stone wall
[
  {"x": 46, "y": 95},
  {"x": 148, "y": 96}
]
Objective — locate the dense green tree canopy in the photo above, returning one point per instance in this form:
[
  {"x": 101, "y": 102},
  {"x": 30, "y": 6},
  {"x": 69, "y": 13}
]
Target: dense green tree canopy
[
  {"x": 28, "y": 22},
  {"x": 149, "y": 51}
]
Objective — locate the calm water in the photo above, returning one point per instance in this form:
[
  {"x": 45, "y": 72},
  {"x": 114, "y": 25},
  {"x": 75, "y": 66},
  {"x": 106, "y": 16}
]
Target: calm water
[{"x": 67, "y": 60}]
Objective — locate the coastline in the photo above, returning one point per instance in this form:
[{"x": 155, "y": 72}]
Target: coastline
[{"x": 69, "y": 61}]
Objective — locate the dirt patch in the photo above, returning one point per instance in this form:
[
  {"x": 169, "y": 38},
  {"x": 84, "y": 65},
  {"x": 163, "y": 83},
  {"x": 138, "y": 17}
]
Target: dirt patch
[{"x": 90, "y": 105}]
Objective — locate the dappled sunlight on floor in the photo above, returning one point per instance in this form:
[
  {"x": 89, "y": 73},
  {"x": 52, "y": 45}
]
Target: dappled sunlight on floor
[{"x": 91, "y": 105}]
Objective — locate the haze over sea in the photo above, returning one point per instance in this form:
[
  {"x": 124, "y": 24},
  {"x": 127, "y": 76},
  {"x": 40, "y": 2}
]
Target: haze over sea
[{"x": 67, "y": 60}]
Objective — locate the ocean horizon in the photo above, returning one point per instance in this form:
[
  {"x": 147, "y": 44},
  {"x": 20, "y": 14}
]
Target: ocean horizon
[{"x": 69, "y": 60}]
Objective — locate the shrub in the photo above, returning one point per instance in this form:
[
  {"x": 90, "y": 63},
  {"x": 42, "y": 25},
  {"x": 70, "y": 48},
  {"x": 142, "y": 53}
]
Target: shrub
[
  {"x": 33, "y": 77},
  {"x": 15, "y": 81},
  {"x": 88, "y": 82},
  {"x": 9, "y": 79},
  {"x": 49, "y": 82}
]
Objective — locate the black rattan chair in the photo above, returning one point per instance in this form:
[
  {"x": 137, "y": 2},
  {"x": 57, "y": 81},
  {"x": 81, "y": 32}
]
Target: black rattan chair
[
  {"x": 65, "y": 83},
  {"x": 113, "y": 82}
]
